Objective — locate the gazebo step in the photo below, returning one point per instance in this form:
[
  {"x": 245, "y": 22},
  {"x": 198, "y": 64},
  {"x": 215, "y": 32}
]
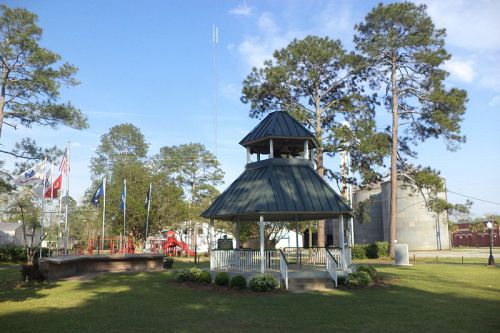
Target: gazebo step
[{"x": 310, "y": 284}]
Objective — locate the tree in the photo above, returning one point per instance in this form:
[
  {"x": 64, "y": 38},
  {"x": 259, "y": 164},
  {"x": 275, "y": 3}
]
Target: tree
[
  {"x": 123, "y": 144},
  {"x": 21, "y": 207},
  {"x": 30, "y": 77},
  {"x": 317, "y": 81},
  {"x": 403, "y": 51},
  {"x": 193, "y": 169}
]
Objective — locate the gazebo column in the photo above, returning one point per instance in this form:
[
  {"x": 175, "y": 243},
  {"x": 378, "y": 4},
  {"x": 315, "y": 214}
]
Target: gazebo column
[
  {"x": 297, "y": 241},
  {"x": 341, "y": 239},
  {"x": 248, "y": 155},
  {"x": 237, "y": 234},
  {"x": 211, "y": 240},
  {"x": 306, "y": 150},
  {"x": 271, "y": 148},
  {"x": 262, "y": 254}
]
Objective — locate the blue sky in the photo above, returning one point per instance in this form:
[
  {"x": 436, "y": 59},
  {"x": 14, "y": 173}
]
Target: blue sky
[{"x": 150, "y": 63}]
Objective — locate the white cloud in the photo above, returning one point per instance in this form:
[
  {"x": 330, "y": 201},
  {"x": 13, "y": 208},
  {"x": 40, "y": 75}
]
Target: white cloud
[
  {"x": 242, "y": 10},
  {"x": 495, "y": 101},
  {"x": 460, "y": 70},
  {"x": 473, "y": 25},
  {"x": 260, "y": 47}
]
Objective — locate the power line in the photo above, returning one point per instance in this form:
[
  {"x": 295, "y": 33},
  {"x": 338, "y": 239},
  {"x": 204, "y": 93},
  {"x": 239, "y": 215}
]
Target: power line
[{"x": 468, "y": 196}]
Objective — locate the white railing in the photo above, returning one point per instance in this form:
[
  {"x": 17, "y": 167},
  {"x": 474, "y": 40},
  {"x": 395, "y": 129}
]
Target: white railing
[
  {"x": 244, "y": 260},
  {"x": 348, "y": 257},
  {"x": 283, "y": 269},
  {"x": 332, "y": 265},
  {"x": 313, "y": 255}
]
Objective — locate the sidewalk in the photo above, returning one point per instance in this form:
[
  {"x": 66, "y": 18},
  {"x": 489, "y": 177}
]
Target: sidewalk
[{"x": 481, "y": 252}]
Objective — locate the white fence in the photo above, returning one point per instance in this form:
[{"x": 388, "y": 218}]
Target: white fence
[{"x": 244, "y": 260}]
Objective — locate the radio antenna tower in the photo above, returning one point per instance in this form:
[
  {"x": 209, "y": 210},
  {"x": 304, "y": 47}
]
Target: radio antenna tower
[{"x": 215, "y": 42}]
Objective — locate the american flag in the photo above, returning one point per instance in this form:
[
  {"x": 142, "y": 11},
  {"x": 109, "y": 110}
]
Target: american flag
[{"x": 64, "y": 167}]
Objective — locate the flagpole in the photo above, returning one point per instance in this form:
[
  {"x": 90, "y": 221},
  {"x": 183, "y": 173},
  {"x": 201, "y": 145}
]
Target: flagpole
[
  {"x": 42, "y": 201},
  {"x": 103, "y": 213},
  {"x": 66, "y": 227},
  {"x": 51, "y": 202},
  {"x": 150, "y": 195},
  {"x": 124, "y": 210}
]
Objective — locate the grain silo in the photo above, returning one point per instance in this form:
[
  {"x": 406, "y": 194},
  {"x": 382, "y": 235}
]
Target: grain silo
[{"x": 416, "y": 225}]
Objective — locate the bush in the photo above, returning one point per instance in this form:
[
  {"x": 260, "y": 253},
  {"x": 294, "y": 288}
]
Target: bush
[
  {"x": 184, "y": 276},
  {"x": 368, "y": 269},
  {"x": 32, "y": 273},
  {"x": 263, "y": 283},
  {"x": 168, "y": 262},
  {"x": 12, "y": 253},
  {"x": 192, "y": 275},
  {"x": 205, "y": 278},
  {"x": 222, "y": 279},
  {"x": 358, "y": 279},
  {"x": 239, "y": 282},
  {"x": 371, "y": 251},
  {"x": 342, "y": 280},
  {"x": 382, "y": 249},
  {"x": 358, "y": 251}
]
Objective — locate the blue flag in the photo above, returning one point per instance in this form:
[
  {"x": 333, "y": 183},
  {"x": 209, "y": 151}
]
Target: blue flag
[
  {"x": 123, "y": 198},
  {"x": 99, "y": 193}
]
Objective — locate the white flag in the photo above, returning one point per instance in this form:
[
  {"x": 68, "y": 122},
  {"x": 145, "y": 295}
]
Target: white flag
[
  {"x": 31, "y": 176},
  {"x": 39, "y": 187}
]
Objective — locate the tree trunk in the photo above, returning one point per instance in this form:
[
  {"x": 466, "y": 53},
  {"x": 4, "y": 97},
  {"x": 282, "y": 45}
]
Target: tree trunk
[
  {"x": 319, "y": 162},
  {"x": 394, "y": 160}
]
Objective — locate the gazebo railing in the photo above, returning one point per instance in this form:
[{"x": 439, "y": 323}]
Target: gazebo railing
[
  {"x": 332, "y": 265},
  {"x": 244, "y": 260},
  {"x": 312, "y": 255},
  {"x": 283, "y": 269}
]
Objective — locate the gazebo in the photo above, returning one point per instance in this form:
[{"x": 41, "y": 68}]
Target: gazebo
[{"x": 281, "y": 185}]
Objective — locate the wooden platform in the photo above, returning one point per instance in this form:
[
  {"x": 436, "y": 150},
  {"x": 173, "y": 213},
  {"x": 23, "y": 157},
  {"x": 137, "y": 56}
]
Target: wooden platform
[{"x": 66, "y": 266}]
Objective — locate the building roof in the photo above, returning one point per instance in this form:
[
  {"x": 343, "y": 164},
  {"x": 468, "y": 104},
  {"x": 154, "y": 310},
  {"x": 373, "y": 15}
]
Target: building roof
[
  {"x": 280, "y": 190},
  {"x": 9, "y": 227},
  {"x": 278, "y": 124}
]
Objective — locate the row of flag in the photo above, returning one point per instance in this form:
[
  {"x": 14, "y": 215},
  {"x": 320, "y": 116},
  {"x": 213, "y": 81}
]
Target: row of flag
[
  {"x": 41, "y": 178},
  {"x": 101, "y": 192}
]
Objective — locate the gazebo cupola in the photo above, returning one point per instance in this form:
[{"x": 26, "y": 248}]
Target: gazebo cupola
[{"x": 279, "y": 135}]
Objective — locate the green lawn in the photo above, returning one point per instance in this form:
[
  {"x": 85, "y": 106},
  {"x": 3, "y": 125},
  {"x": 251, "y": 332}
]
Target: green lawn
[{"x": 427, "y": 297}]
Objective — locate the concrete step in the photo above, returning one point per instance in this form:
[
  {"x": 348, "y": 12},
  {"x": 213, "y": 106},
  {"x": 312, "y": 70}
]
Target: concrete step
[{"x": 310, "y": 284}]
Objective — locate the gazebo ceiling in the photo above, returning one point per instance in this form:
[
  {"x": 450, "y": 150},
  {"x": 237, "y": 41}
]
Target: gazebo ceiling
[{"x": 280, "y": 190}]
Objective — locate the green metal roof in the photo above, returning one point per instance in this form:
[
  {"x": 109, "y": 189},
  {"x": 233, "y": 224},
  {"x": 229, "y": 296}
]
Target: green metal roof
[
  {"x": 280, "y": 190},
  {"x": 278, "y": 124}
]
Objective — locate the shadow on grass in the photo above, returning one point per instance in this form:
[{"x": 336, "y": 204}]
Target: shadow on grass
[
  {"x": 13, "y": 289},
  {"x": 151, "y": 301}
]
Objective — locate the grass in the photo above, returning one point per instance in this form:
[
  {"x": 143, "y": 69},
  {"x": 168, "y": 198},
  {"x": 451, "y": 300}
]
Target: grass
[{"x": 426, "y": 297}]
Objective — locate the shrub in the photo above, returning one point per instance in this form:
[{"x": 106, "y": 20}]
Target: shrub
[
  {"x": 205, "y": 277},
  {"x": 382, "y": 249},
  {"x": 239, "y": 282},
  {"x": 358, "y": 251},
  {"x": 358, "y": 279},
  {"x": 263, "y": 283},
  {"x": 195, "y": 274},
  {"x": 32, "y": 273},
  {"x": 371, "y": 251},
  {"x": 184, "y": 276},
  {"x": 342, "y": 280},
  {"x": 168, "y": 262},
  {"x": 12, "y": 253},
  {"x": 222, "y": 279},
  {"x": 368, "y": 269}
]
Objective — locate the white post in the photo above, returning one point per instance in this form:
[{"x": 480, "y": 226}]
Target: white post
[
  {"x": 237, "y": 234},
  {"x": 248, "y": 155},
  {"x": 351, "y": 226},
  {"x": 306, "y": 150},
  {"x": 341, "y": 238},
  {"x": 297, "y": 241},
  {"x": 271, "y": 149},
  {"x": 262, "y": 256},
  {"x": 211, "y": 242}
]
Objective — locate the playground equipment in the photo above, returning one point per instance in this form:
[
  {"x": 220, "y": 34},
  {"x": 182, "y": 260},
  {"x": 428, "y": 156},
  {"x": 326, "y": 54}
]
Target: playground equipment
[{"x": 170, "y": 245}]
